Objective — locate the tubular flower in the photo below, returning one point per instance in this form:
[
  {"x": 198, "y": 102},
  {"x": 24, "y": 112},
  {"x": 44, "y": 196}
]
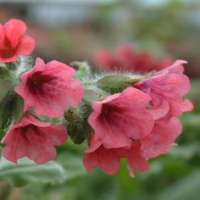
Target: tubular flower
[
  {"x": 13, "y": 41},
  {"x": 167, "y": 89},
  {"x": 33, "y": 139},
  {"x": 108, "y": 159},
  {"x": 121, "y": 117},
  {"x": 50, "y": 88},
  {"x": 137, "y": 153},
  {"x": 161, "y": 138}
]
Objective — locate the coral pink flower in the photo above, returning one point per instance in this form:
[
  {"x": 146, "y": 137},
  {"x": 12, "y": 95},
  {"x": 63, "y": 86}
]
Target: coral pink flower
[
  {"x": 125, "y": 58},
  {"x": 136, "y": 161},
  {"x": 50, "y": 89},
  {"x": 13, "y": 41},
  {"x": 162, "y": 137},
  {"x": 105, "y": 60},
  {"x": 139, "y": 61},
  {"x": 132, "y": 61},
  {"x": 167, "y": 89},
  {"x": 98, "y": 156},
  {"x": 122, "y": 117},
  {"x": 108, "y": 159},
  {"x": 33, "y": 139}
]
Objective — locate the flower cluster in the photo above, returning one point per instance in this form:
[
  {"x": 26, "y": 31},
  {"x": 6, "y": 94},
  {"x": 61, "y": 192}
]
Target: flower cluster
[
  {"x": 139, "y": 123},
  {"x": 120, "y": 115},
  {"x": 47, "y": 90}
]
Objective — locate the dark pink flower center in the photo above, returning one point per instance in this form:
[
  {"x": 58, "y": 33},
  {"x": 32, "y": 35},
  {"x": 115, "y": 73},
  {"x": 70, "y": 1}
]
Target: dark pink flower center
[
  {"x": 31, "y": 133},
  {"x": 110, "y": 112},
  {"x": 24, "y": 130},
  {"x": 37, "y": 82}
]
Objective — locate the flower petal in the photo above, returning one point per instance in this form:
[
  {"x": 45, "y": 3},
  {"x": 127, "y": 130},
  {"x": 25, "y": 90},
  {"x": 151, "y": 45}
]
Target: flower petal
[{"x": 15, "y": 30}]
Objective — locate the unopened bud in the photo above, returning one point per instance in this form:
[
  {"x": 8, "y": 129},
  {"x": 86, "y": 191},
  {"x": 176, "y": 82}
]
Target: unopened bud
[
  {"x": 117, "y": 82},
  {"x": 77, "y": 125}
]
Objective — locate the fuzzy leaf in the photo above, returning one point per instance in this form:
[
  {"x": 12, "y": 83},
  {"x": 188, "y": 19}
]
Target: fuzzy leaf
[{"x": 27, "y": 171}]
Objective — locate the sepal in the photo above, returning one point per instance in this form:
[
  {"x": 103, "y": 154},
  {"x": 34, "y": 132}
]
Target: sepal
[
  {"x": 114, "y": 83},
  {"x": 83, "y": 70}
]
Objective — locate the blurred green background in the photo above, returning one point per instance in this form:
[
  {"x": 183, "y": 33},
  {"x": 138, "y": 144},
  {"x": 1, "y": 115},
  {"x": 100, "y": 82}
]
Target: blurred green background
[{"x": 69, "y": 30}]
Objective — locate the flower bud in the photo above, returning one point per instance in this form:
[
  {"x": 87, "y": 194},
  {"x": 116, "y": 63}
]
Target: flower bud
[
  {"x": 77, "y": 125},
  {"x": 115, "y": 83}
]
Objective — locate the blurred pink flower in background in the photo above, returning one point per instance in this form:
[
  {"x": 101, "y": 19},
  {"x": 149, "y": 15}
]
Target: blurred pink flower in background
[
  {"x": 125, "y": 58},
  {"x": 14, "y": 42}
]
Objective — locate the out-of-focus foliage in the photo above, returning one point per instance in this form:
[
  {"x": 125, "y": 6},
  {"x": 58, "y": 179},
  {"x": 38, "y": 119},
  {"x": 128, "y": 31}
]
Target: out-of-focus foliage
[
  {"x": 188, "y": 188},
  {"x": 26, "y": 172}
]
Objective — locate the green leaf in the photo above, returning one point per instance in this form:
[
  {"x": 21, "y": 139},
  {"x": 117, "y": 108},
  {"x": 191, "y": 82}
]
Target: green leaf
[
  {"x": 5, "y": 87},
  {"x": 11, "y": 110},
  {"x": 27, "y": 171},
  {"x": 6, "y": 82}
]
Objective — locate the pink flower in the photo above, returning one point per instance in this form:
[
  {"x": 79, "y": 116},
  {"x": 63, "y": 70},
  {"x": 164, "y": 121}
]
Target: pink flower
[
  {"x": 13, "y": 41},
  {"x": 33, "y": 139},
  {"x": 136, "y": 161},
  {"x": 132, "y": 61},
  {"x": 98, "y": 156},
  {"x": 49, "y": 88},
  {"x": 105, "y": 60},
  {"x": 121, "y": 117},
  {"x": 162, "y": 137},
  {"x": 167, "y": 89},
  {"x": 137, "y": 153},
  {"x": 108, "y": 159},
  {"x": 127, "y": 59}
]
